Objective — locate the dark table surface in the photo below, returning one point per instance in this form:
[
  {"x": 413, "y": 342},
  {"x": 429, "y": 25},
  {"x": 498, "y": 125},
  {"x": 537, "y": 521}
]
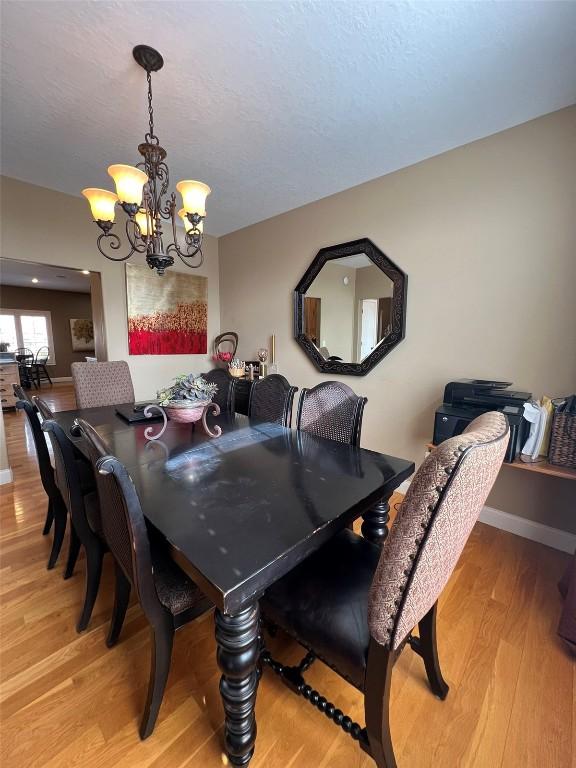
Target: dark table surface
[{"x": 243, "y": 509}]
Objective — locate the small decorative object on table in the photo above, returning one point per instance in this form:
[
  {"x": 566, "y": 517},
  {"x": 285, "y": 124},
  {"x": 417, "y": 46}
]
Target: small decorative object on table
[
  {"x": 188, "y": 400},
  {"x": 263, "y": 357},
  {"x": 237, "y": 368},
  {"x": 221, "y": 355}
]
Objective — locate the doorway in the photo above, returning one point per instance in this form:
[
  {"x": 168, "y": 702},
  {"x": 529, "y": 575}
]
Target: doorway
[
  {"x": 51, "y": 312},
  {"x": 369, "y": 327}
]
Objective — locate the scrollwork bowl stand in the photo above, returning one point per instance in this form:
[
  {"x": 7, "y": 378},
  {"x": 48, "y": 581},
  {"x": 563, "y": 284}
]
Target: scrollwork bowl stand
[{"x": 187, "y": 413}]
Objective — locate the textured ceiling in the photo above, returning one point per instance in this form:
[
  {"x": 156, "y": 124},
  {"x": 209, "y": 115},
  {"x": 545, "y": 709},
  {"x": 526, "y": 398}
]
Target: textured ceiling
[{"x": 274, "y": 104}]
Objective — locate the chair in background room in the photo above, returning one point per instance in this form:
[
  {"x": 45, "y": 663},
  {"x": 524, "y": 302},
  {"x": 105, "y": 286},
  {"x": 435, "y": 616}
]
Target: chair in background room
[
  {"x": 355, "y": 606},
  {"x": 271, "y": 400},
  {"x": 331, "y": 410},
  {"x": 25, "y": 358},
  {"x": 169, "y": 598},
  {"x": 56, "y": 508},
  {"x": 38, "y": 369},
  {"x": 226, "y": 384},
  {"x": 97, "y": 384}
]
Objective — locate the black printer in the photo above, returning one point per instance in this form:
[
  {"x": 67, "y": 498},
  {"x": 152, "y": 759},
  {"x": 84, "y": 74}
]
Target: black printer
[{"x": 467, "y": 398}]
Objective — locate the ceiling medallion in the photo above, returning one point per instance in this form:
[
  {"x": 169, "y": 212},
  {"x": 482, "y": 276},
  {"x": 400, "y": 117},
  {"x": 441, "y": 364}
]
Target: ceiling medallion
[{"x": 140, "y": 190}]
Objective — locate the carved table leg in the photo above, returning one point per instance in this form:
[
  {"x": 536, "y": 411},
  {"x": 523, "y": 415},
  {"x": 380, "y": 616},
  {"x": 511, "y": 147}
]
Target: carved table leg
[
  {"x": 238, "y": 639},
  {"x": 375, "y": 525}
]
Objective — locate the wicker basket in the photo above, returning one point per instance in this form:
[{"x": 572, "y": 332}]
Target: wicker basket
[{"x": 563, "y": 440}]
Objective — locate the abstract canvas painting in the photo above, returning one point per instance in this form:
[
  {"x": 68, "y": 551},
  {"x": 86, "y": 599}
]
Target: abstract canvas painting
[
  {"x": 167, "y": 315},
  {"x": 82, "y": 333}
]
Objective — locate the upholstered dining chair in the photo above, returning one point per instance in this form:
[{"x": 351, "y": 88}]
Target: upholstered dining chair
[
  {"x": 224, "y": 397},
  {"x": 81, "y": 501},
  {"x": 169, "y": 598},
  {"x": 331, "y": 410},
  {"x": 271, "y": 400},
  {"x": 355, "y": 606},
  {"x": 56, "y": 513},
  {"x": 97, "y": 384}
]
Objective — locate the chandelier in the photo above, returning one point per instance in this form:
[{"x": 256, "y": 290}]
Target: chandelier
[{"x": 140, "y": 192}]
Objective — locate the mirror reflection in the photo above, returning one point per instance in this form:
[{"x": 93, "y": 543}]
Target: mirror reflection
[{"x": 347, "y": 308}]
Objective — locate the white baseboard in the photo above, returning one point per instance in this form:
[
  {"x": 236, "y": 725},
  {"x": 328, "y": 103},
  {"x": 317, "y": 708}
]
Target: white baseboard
[
  {"x": 60, "y": 379},
  {"x": 529, "y": 529},
  {"x": 5, "y": 476},
  {"x": 521, "y": 526}
]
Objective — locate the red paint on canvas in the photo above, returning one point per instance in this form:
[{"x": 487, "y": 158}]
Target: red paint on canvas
[{"x": 181, "y": 332}]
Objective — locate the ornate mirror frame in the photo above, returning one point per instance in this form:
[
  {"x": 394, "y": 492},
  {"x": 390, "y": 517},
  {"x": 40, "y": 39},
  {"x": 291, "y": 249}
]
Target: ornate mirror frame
[{"x": 398, "y": 309}]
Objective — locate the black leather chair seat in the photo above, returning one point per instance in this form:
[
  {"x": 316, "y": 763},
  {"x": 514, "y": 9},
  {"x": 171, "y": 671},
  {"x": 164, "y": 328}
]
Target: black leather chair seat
[{"x": 323, "y": 603}]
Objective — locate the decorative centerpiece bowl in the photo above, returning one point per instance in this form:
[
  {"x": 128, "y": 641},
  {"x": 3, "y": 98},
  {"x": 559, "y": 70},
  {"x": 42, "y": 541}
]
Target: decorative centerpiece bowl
[
  {"x": 184, "y": 412},
  {"x": 237, "y": 368},
  {"x": 187, "y": 400}
]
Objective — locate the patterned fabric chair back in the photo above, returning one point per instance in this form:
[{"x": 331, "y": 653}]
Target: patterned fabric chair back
[
  {"x": 99, "y": 384},
  {"x": 225, "y": 383},
  {"x": 433, "y": 524},
  {"x": 331, "y": 410},
  {"x": 123, "y": 524},
  {"x": 44, "y": 464},
  {"x": 271, "y": 400}
]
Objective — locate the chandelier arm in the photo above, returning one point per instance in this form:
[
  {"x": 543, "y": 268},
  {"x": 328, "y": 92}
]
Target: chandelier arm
[
  {"x": 114, "y": 243},
  {"x": 190, "y": 242},
  {"x": 133, "y": 240},
  {"x": 184, "y": 257}
]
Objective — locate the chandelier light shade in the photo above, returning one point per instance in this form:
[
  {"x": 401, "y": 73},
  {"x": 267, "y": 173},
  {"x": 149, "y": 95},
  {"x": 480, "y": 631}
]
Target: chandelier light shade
[
  {"x": 187, "y": 225},
  {"x": 140, "y": 192},
  {"x": 102, "y": 204},
  {"x": 129, "y": 183},
  {"x": 142, "y": 221},
  {"x": 194, "y": 194}
]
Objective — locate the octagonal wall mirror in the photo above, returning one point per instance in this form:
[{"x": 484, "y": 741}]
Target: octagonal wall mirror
[{"x": 350, "y": 308}]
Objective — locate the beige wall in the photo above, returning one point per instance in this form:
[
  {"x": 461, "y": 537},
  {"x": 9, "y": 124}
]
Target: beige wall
[
  {"x": 5, "y": 476},
  {"x": 67, "y": 238},
  {"x": 487, "y": 236},
  {"x": 63, "y": 306}
]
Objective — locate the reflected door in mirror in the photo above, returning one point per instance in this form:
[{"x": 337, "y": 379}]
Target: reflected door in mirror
[{"x": 312, "y": 309}]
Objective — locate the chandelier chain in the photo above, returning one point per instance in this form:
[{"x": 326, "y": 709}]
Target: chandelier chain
[{"x": 151, "y": 135}]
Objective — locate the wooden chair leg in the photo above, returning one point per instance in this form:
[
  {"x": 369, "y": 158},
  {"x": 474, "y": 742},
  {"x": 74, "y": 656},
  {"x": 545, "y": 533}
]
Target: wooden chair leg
[
  {"x": 94, "y": 557},
  {"x": 121, "y": 598},
  {"x": 429, "y": 652},
  {"x": 49, "y": 518},
  {"x": 73, "y": 550},
  {"x": 162, "y": 639},
  {"x": 60, "y": 516},
  {"x": 47, "y": 374},
  {"x": 377, "y": 702}
]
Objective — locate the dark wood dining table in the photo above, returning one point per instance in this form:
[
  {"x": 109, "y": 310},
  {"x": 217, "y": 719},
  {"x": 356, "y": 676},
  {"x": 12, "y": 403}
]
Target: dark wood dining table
[{"x": 240, "y": 511}]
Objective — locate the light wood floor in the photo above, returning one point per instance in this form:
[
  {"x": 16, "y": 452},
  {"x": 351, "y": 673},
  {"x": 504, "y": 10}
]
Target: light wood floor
[{"x": 66, "y": 700}]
